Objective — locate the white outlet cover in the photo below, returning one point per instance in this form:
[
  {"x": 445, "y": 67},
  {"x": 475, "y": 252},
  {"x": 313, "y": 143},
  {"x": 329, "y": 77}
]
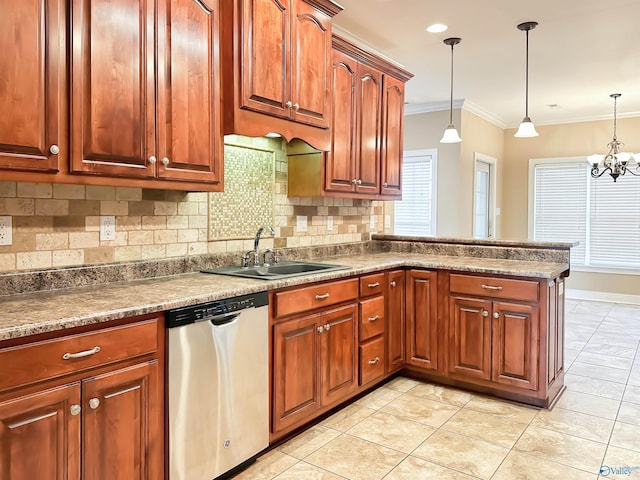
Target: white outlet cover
[
  {"x": 6, "y": 235},
  {"x": 372, "y": 222},
  {"x": 387, "y": 221},
  {"x": 330, "y": 222},
  {"x": 107, "y": 228},
  {"x": 301, "y": 223}
]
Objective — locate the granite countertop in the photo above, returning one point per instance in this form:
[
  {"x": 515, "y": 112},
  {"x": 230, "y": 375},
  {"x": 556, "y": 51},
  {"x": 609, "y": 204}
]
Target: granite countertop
[{"x": 33, "y": 313}]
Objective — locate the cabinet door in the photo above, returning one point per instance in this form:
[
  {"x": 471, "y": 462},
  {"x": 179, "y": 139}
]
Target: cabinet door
[
  {"x": 422, "y": 326},
  {"x": 515, "y": 345},
  {"x": 395, "y": 321},
  {"x": 266, "y": 41},
  {"x": 122, "y": 424},
  {"x": 392, "y": 128},
  {"x": 368, "y": 129},
  {"x": 310, "y": 65},
  {"x": 189, "y": 115},
  {"x": 112, "y": 87},
  {"x": 32, "y": 84},
  {"x": 339, "y": 375},
  {"x": 295, "y": 370},
  {"x": 39, "y": 437},
  {"x": 469, "y": 338},
  {"x": 340, "y": 160}
]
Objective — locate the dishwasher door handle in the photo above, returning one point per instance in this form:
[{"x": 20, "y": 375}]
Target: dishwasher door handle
[{"x": 224, "y": 319}]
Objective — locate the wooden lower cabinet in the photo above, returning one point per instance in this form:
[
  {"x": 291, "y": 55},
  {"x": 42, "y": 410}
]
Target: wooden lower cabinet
[
  {"x": 40, "y": 436},
  {"x": 313, "y": 366},
  {"x": 103, "y": 420},
  {"x": 421, "y": 348},
  {"x": 395, "y": 329}
]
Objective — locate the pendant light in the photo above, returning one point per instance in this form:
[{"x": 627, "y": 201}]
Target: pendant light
[
  {"x": 451, "y": 134},
  {"x": 527, "y": 129}
]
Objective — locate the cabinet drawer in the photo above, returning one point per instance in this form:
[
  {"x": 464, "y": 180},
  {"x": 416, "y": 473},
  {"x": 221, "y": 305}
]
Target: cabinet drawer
[
  {"x": 372, "y": 285},
  {"x": 34, "y": 362},
  {"x": 371, "y": 360},
  {"x": 494, "y": 287},
  {"x": 371, "y": 318},
  {"x": 315, "y": 296}
]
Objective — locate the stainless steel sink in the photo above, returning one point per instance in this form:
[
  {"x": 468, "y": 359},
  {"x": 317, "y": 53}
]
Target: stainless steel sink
[{"x": 277, "y": 271}]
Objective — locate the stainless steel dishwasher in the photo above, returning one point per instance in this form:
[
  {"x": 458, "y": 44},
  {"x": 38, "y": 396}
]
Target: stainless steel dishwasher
[{"x": 218, "y": 386}]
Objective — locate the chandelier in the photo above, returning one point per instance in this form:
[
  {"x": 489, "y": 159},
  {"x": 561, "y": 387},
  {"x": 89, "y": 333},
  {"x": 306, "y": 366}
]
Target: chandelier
[{"x": 615, "y": 163}]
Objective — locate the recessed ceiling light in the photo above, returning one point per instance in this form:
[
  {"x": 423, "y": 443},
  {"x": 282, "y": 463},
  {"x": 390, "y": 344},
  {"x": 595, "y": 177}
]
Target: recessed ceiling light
[
  {"x": 553, "y": 106},
  {"x": 436, "y": 28}
]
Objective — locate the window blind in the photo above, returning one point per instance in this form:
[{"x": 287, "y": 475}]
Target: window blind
[
  {"x": 560, "y": 205},
  {"x": 413, "y": 214},
  {"x": 615, "y": 222}
]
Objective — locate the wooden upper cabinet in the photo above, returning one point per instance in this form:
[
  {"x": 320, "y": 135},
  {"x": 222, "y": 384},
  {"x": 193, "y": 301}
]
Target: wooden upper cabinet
[
  {"x": 339, "y": 166},
  {"x": 368, "y": 129},
  {"x": 112, "y": 87},
  {"x": 276, "y": 68},
  {"x": 392, "y": 136},
  {"x": 122, "y": 126},
  {"x": 33, "y": 85},
  {"x": 190, "y": 143},
  {"x": 310, "y": 65}
]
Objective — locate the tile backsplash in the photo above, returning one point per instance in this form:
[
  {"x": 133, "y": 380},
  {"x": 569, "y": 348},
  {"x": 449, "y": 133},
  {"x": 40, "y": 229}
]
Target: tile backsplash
[{"x": 57, "y": 225}]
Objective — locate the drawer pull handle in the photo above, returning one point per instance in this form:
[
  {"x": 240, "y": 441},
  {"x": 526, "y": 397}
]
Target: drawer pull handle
[
  {"x": 86, "y": 353},
  {"x": 374, "y": 361},
  {"x": 393, "y": 283},
  {"x": 94, "y": 403},
  {"x": 75, "y": 409},
  {"x": 374, "y": 318},
  {"x": 322, "y": 297},
  {"x": 373, "y": 285},
  {"x": 491, "y": 287}
]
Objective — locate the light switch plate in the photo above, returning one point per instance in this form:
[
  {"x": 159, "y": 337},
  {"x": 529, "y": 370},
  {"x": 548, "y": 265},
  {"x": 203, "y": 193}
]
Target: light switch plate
[
  {"x": 6, "y": 236},
  {"x": 107, "y": 228},
  {"x": 330, "y": 222},
  {"x": 301, "y": 223}
]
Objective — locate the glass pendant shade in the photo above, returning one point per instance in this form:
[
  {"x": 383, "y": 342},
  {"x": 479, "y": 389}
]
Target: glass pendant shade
[
  {"x": 450, "y": 135},
  {"x": 526, "y": 129}
]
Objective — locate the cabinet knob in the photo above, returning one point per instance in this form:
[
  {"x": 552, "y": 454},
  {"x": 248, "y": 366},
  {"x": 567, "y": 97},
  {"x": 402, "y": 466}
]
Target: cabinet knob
[
  {"x": 485, "y": 313},
  {"x": 320, "y": 329},
  {"x": 354, "y": 181},
  {"x": 94, "y": 403},
  {"x": 54, "y": 149},
  {"x": 152, "y": 160},
  {"x": 165, "y": 161},
  {"x": 75, "y": 410},
  {"x": 496, "y": 315},
  {"x": 327, "y": 327},
  {"x": 296, "y": 107},
  {"x": 393, "y": 283},
  {"x": 385, "y": 184},
  {"x": 374, "y": 361},
  {"x": 289, "y": 104},
  {"x": 359, "y": 182}
]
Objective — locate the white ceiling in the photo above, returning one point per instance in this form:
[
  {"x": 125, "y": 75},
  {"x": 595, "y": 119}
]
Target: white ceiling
[{"x": 581, "y": 51}]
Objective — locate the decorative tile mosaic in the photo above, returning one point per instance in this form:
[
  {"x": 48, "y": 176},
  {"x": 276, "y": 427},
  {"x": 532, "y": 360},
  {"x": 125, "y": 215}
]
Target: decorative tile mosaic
[{"x": 247, "y": 200}]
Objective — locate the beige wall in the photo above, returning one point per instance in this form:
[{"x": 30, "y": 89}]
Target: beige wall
[{"x": 564, "y": 140}]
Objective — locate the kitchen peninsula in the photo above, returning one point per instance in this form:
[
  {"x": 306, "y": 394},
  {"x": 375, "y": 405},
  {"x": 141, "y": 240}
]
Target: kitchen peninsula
[{"x": 482, "y": 315}]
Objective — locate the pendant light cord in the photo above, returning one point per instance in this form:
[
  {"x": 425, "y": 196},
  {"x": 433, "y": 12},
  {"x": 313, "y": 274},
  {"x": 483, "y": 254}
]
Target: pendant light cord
[
  {"x": 615, "y": 116},
  {"x": 451, "y": 90},
  {"x": 526, "y": 97}
]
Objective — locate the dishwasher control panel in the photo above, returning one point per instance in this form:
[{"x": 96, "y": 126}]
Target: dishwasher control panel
[{"x": 177, "y": 317}]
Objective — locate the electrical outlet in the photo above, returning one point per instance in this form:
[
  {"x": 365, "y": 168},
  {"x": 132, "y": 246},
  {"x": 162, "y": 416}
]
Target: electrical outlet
[
  {"x": 301, "y": 223},
  {"x": 6, "y": 237},
  {"x": 387, "y": 221},
  {"x": 372, "y": 222},
  {"x": 330, "y": 222},
  {"x": 107, "y": 227}
]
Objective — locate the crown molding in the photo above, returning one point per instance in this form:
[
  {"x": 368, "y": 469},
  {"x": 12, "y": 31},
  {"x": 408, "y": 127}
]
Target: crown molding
[{"x": 415, "y": 109}]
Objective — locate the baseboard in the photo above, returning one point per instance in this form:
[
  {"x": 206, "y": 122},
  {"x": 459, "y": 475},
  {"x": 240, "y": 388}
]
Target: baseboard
[{"x": 573, "y": 294}]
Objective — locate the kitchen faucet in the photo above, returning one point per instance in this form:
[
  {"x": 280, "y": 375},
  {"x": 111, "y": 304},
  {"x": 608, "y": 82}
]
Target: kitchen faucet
[{"x": 256, "y": 254}]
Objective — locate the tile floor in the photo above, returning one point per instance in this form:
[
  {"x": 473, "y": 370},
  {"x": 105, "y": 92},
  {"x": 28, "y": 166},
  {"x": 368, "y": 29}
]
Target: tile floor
[{"x": 411, "y": 430}]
